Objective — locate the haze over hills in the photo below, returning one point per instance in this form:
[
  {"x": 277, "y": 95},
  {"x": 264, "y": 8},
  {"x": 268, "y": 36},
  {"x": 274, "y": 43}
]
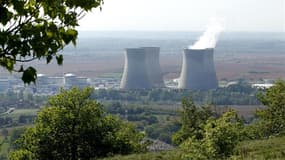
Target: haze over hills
[
  {"x": 112, "y": 42},
  {"x": 249, "y": 55}
]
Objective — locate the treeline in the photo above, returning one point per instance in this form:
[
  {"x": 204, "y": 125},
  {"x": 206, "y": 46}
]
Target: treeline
[
  {"x": 20, "y": 99},
  {"x": 9, "y": 121},
  {"x": 237, "y": 94}
]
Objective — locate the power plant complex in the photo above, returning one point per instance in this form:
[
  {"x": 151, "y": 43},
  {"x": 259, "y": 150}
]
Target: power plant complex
[{"x": 142, "y": 69}]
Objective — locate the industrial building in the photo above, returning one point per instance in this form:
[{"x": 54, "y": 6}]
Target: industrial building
[
  {"x": 142, "y": 69},
  {"x": 198, "y": 70},
  {"x": 153, "y": 66},
  {"x": 135, "y": 74},
  {"x": 71, "y": 80}
]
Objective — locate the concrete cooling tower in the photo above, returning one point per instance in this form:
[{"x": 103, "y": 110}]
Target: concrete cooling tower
[
  {"x": 135, "y": 74},
  {"x": 153, "y": 66},
  {"x": 198, "y": 70},
  {"x": 142, "y": 69}
]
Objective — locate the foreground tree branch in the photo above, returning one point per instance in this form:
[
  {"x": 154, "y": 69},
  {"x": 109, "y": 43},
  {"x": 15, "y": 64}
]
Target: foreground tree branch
[{"x": 35, "y": 29}]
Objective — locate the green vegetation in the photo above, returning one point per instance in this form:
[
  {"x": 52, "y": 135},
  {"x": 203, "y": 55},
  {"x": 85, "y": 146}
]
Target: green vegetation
[
  {"x": 237, "y": 94},
  {"x": 193, "y": 120},
  {"x": 18, "y": 117},
  {"x": 158, "y": 122},
  {"x": 225, "y": 137},
  {"x": 15, "y": 115},
  {"x": 221, "y": 135},
  {"x": 165, "y": 155},
  {"x": 273, "y": 149},
  {"x": 74, "y": 127},
  {"x": 197, "y": 131},
  {"x": 273, "y": 116},
  {"x": 33, "y": 30},
  {"x": 7, "y": 139}
]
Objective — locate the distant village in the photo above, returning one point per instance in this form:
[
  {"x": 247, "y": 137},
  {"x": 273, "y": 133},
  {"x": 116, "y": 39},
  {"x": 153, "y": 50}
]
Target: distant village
[{"x": 50, "y": 85}]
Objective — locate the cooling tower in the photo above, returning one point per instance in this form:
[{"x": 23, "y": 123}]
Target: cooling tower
[
  {"x": 135, "y": 74},
  {"x": 153, "y": 66},
  {"x": 198, "y": 70}
]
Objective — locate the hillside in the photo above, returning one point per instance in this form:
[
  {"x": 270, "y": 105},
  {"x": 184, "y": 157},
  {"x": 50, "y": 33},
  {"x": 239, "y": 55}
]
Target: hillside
[{"x": 273, "y": 148}]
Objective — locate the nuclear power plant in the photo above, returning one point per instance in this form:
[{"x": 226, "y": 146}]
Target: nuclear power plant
[
  {"x": 135, "y": 72},
  {"x": 153, "y": 66},
  {"x": 142, "y": 69},
  {"x": 198, "y": 70}
]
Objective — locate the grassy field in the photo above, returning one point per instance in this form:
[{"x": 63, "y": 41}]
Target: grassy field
[
  {"x": 18, "y": 112},
  {"x": 269, "y": 149},
  {"x": 166, "y": 155},
  {"x": 273, "y": 148}
]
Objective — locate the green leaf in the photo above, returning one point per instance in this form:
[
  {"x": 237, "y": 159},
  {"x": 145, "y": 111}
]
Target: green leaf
[
  {"x": 69, "y": 35},
  {"x": 5, "y": 15},
  {"x": 42, "y": 31},
  {"x": 19, "y": 6},
  {"x": 59, "y": 59},
  {"x": 48, "y": 58},
  {"x": 29, "y": 75}
]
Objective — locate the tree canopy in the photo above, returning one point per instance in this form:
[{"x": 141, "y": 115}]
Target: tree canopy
[
  {"x": 74, "y": 127},
  {"x": 272, "y": 117},
  {"x": 193, "y": 120},
  {"x": 38, "y": 29}
]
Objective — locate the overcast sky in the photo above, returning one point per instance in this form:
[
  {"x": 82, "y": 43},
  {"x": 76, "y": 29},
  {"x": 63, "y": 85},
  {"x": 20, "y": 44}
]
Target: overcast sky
[{"x": 187, "y": 15}]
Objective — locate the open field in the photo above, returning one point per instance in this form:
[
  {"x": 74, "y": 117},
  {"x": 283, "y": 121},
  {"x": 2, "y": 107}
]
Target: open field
[
  {"x": 229, "y": 67},
  {"x": 18, "y": 112}
]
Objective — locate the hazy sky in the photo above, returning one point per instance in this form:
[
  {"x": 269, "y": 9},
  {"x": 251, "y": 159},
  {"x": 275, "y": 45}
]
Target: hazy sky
[{"x": 186, "y": 15}]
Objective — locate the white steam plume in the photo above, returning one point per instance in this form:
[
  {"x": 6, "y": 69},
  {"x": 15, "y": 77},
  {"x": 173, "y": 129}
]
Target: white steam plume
[{"x": 210, "y": 36}]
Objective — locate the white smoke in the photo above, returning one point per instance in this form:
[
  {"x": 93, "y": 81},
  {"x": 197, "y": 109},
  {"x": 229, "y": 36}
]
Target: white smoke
[{"x": 210, "y": 36}]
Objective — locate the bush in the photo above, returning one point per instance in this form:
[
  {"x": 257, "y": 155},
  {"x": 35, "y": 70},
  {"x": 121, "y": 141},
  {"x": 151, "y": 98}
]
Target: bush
[
  {"x": 273, "y": 116},
  {"x": 220, "y": 138},
  {"x": 74, "y": 127},
  {"x": 193, "y": 120}
]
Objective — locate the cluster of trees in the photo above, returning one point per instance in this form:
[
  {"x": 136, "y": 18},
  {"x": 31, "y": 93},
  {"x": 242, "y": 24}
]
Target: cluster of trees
[
  {"x": 72, "y": 126},
  {"x": 7, "y": 121},
  {"x": 156, "y": 123},
  {"x": 20, "y": 100},
  {"x": 270, "y": 120},
  {"x": 237, "y": 94},
  {"x": 207, "y": 135}
]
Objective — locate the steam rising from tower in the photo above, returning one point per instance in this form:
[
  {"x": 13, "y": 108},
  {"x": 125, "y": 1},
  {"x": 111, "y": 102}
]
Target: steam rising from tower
[
  {"x": 198, "y": 69},
  {"x": 210, "y": 36},
  {"x": 142, "y": 69}
]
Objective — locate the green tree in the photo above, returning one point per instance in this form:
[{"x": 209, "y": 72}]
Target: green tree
[
  {"x": 192, "y": 119},
  {"x": 38, "y": 29},
  {"x": 272, "y": 117},
  {"x": 74, "y": 127},
  {"x": 220, "y": 138}
]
